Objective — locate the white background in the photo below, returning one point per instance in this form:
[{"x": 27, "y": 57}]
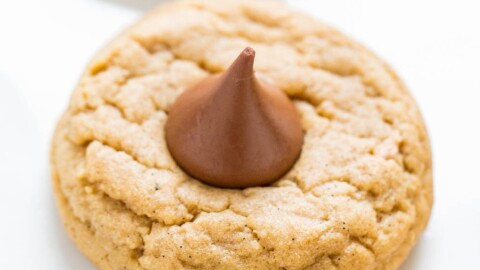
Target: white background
[{"x": 45, "y": 44}]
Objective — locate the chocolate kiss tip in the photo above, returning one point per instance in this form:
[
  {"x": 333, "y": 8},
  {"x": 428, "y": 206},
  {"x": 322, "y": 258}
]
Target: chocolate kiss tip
[
  {"x": 228, "y": 137},
  {"x": 242, "y": 67},
  {"x": 249, "y": 52}
]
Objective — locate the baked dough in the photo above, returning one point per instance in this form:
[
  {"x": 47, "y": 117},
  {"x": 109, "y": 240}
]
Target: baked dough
[{"x": 357, "y": 198}]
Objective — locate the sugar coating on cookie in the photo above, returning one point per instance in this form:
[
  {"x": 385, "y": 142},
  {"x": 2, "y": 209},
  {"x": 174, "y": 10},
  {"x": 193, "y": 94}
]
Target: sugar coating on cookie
[{"x": 357, "y": 198}]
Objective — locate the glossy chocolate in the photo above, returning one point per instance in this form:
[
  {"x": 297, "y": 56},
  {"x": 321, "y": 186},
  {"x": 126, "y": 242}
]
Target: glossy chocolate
[{"x": 233, "y": 131}]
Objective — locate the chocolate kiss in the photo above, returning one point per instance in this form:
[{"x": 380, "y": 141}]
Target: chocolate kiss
[{"x": 233, "y": 131}]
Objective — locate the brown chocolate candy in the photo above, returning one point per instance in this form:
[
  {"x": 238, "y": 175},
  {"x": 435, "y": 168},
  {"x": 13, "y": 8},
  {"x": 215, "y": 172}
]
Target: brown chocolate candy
[{"x": 233, "y": 131}]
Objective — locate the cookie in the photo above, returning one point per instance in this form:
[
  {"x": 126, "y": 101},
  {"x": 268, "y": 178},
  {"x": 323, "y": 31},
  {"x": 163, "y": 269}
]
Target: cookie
[{"x": 358, "y": 196}]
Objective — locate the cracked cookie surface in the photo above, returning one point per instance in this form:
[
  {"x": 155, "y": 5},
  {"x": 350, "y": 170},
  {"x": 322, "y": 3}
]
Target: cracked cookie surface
[{"x": 357, "y": 198}]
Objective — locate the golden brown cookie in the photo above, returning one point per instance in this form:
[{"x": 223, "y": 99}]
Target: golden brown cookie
[{"x": 357, "y": 198}]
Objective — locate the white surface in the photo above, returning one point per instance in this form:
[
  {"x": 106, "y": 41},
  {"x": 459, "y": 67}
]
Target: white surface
[{"x": 45, "y": 44}]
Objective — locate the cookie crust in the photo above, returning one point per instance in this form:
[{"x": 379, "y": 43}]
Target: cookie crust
[{"x": 358, "y": 197}]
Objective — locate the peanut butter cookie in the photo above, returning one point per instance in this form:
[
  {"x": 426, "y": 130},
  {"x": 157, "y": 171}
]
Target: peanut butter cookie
[{"x": 358, "y": 196}]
